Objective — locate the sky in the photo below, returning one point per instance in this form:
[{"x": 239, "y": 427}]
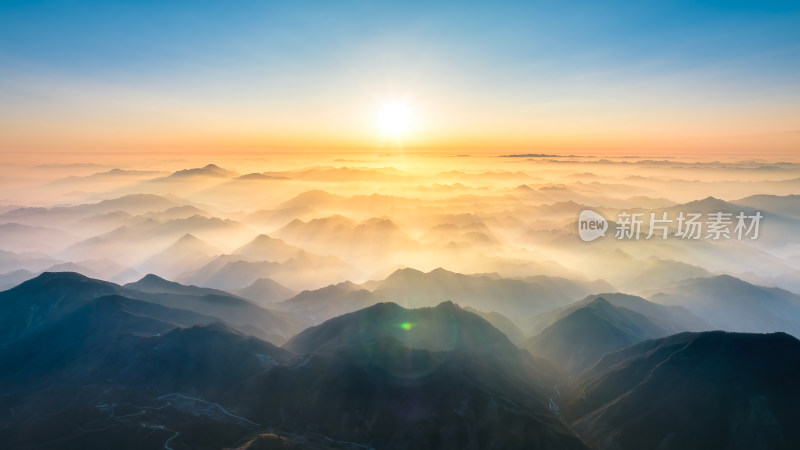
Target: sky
[{"x": 578, "y": 77}]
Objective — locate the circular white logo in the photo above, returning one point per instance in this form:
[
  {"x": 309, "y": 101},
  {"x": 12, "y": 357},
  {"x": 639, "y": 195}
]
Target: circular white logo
[{"x": 591, "y": 225}]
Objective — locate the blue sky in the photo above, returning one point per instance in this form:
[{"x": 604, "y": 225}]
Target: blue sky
[{"x": 481, "y": 69}]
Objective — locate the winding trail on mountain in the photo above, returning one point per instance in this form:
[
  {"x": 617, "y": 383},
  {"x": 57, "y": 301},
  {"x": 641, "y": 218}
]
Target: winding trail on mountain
[{"x": 166, "y": 444}]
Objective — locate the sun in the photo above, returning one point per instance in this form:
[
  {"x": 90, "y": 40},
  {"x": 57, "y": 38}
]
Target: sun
[{"x": 395, "y": 119}]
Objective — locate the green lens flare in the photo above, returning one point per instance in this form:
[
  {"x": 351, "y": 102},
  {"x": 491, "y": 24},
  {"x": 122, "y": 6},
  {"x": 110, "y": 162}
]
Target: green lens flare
[{"x": 406, "y": 325}]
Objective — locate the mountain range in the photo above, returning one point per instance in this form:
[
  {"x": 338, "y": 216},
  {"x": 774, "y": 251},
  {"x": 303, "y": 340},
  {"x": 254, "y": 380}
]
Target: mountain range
[
  {"x": 87, "y": 364},
  {"x": 388, "y": 301}
]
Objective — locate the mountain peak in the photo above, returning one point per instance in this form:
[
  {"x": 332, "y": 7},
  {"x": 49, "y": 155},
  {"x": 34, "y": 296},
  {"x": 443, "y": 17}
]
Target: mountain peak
[
  {"x": 406, "y": 271},
  {"x": 403, "y": 273},
  {"x": 441, "y": 271},
  {"x": 48, "y": 276},
  {"x": 209, "y": 170},
  {"x": 264, "y": 237},
  {"x": 710, "y": 203},
  {"x": 448, "y": 305},
  {"x": 151, "y": 278},
  {"x": 600, "y": 303},
  {"x": 580, "y": 338},
  {"x": 188, "y": 238},
  {"x": 151, "y": 283},
  {"x": 445, "y": 327}
]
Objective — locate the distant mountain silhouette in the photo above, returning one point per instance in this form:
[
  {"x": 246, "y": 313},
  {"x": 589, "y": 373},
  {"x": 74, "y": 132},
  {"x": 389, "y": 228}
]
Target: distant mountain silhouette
[
  {"x": 184, "y": 255},
  {"x": 31, "y": 261},
  {"x": 280, "y": 217},
  {"x": 241, "y": 273},
  {"x": 731, "y": 304},
  {"x": 259, "y": 177},
  {"x": 584, "y": 335},
  {"x": 61, "y": 215},
  {"x": 342, "y": 236},
  {"x": 265, "y": 248},
  {"x": 709, "y": 204},
  {"x": 11, "y": 279},
  {"x": 331, "y": 301},
  {"x": 210, "y": 170},
  {"x": 311, "y": 199},
  {"x": 154, "y": 284},
  {"x": 101, "y": 223},
  {"x": 235, "y": 271},
  {"x": 265, "y": 291},
  {"x": 673, "y": 319},
  {"x": 104, "y": 269},
  {"x": 132, "y": 243},
  {"x": 513, "y": 298},
  {"x": 178, "y": 212},
  {"x": 25, "y": 238},
  {"x": 519, "y": 299},
  {"x": 787, "y": 205}
]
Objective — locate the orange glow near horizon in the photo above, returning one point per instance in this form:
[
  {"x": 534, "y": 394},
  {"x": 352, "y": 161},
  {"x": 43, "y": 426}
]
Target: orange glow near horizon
[
  {"x": 362, "y": 126},
  {"x": 133, "y": 124},
  {"x": 754, "y": 145}
]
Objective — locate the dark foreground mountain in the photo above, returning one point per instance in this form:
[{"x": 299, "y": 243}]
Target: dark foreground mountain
[
  {"x": 122, "y": 373},
  {"x": 711, "y": 390},
  {"x": 48, "y": 297},
  {"x": 52, "y": 295},
  {"x": 85, "y": 366},
  {"x": 393, "y": 377},
  {"x": 116, "y": 372}
]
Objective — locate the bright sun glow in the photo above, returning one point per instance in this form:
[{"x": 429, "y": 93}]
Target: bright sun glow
[{"x": 395, "y": 119}]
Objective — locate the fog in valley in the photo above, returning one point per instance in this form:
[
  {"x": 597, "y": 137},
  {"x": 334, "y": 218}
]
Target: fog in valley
[{"x": 174, "y": 289}]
